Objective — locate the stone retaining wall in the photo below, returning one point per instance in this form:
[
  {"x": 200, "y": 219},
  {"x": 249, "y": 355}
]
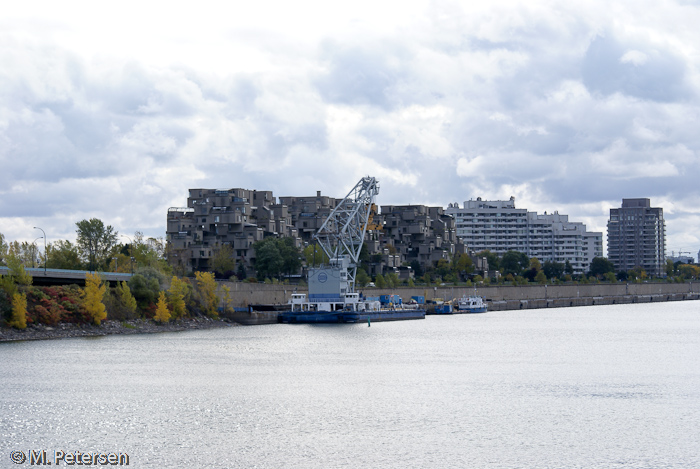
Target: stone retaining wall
[{"x": 502, "y": 297}]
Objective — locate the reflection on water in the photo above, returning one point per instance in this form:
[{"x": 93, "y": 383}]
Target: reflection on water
[{"x": 606, "y": 386}]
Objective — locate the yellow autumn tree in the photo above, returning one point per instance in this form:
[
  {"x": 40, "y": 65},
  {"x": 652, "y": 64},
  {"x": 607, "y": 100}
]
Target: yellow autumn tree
[
  {"x": 92, "y": 295},
  {"x": 207, "y": 290},
  {"x": 227, "y": 297},
  {"x": 162, "y": 311},
  {"x": 176, "y": 297},
  {"x": 19, "y": 311}
]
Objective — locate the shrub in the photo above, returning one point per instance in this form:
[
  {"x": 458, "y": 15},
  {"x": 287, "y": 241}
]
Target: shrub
[{"x": 50, "y": 305}]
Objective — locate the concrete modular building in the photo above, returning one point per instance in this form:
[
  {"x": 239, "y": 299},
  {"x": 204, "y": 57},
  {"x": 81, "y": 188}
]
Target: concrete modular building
[
  {"x": 238, "y": 218},
  {"x": 498, "y": 226},
  {"x": 308, "y": 213},
  {"x": 417, "y": 233},
  {"x": 217, "y": 217}
]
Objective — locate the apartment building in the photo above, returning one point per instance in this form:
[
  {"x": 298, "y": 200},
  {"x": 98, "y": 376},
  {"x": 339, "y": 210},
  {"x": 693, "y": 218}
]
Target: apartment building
[
  {"x": 416, "y": 233},
  {"x": 308, "y": 213},
  {"x": 498, "y": 226},
  {"x": 213, "y": 218},
  {"x": 217, "y": 217},
  {"x": 637, "y": 237}
]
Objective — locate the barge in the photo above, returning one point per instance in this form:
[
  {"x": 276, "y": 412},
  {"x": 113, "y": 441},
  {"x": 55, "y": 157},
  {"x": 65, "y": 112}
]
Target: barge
[{"x": 350, "y": 308}]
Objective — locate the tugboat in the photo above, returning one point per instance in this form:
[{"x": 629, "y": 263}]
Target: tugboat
[{"x": 471, "y": 304}]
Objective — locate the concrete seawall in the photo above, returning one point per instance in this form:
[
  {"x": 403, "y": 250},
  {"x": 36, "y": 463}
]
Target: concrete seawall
[{"x": 499, "y": 298}]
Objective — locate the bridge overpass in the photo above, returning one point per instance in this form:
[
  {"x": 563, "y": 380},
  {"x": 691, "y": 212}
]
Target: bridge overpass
[{"x": 43, "y": 277}]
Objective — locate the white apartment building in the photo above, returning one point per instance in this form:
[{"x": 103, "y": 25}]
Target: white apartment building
[{"x": 500, "y": 227}]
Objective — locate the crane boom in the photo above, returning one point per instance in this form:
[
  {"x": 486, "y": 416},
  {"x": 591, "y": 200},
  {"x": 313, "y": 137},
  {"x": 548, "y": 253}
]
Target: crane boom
[{"x": 342, "y": 234}]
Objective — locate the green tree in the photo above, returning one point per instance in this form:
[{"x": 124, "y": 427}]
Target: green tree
[
  {"x": 241, "y": 272},
  {"x": 291, "y": 257},
  {"x": 147, "y": 252},
  {"x": 514, "y": 262},
  {"x": 491, "y": 258},
  {"x": 276, "y": 256},
  {"x": 392, "y": 280},
  {"x": 223, "y": 262},
  {"x": 95, "y": 241},
  {"x": 600, "y": 266},
  {"x": 268, "y": 259},
  {"x": 119, "y": 262},
  {"x": 610, "y": 277},
  {"x": 568, "y": 268},
  {"x": 379, "y": 281},
  {"x": 126, "y": 298},
  {"x": 314, "y": 255},
  {"x": 553, "y": 269},
  {"x": 17, "y": 273},
  {"x": 63, "y": 255},
  {"x": 689, "y": 272},
  {"x": 637, "y": 273},
  {"x": 463, "y": 265},
  {"x": 535, "y": 264},
  {"x": 541, "y": 278},
  {"x": 442, "y": 268},
  {"x": 3, "y": 249},
  {"x": 145, "y": 289},
  {"x": 27, "y": 253},
  {"x": 417, "y": 268},
  {"x": 92, "y": 294},
  {"x": 670, "y": 268},
  {"x": 362, "y": 279}
]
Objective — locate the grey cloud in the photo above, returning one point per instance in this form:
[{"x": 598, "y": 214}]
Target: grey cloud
[
  {"x": 241, "y": 96},
  {"x": 658, "y": 75},
  {"x": 362, "y": 75}
]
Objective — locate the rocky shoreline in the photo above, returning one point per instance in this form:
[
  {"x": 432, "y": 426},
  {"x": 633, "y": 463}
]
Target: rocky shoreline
[{"x": 134, "y": 326}]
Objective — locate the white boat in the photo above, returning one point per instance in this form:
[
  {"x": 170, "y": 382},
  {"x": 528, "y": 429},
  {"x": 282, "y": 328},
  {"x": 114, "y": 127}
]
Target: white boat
[{"x": 471, "y": 304}]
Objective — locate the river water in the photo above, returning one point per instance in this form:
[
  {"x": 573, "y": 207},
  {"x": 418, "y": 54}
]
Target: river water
[{"x": 603, "y": 386}]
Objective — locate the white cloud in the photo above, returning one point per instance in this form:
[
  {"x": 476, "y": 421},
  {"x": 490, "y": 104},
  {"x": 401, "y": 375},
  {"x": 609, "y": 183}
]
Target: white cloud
[
  {"x": 634, "y": 57},
  {"x": 112, "y": 114}
]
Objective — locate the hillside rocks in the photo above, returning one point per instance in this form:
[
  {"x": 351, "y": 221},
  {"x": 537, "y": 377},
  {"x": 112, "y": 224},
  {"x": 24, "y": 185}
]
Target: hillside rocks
[{"x": 136, "y": 326}]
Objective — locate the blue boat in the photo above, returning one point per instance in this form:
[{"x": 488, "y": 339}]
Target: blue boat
[
  {"x": 349, "y": 308},
  {"x": 444, "y": 308}
]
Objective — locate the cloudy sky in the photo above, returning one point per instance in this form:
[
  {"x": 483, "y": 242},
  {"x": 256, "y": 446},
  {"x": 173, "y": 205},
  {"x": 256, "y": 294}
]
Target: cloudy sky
[{"x": 115, "y": 111}]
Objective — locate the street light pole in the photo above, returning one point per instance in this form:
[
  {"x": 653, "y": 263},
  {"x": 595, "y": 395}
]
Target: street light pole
[{"x": 45, "y": 253}]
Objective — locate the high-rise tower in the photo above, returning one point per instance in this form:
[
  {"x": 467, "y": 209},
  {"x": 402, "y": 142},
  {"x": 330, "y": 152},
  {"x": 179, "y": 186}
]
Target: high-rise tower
[{"x": 637, "y": 237}]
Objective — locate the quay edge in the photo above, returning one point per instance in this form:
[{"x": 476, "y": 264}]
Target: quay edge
[{"x": 498, "y": 297}]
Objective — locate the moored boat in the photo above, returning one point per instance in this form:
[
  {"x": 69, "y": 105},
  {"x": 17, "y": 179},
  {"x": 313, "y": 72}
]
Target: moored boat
[
  {"x": 349, "y": 308},
  {"x": 471, "y": 304}
]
